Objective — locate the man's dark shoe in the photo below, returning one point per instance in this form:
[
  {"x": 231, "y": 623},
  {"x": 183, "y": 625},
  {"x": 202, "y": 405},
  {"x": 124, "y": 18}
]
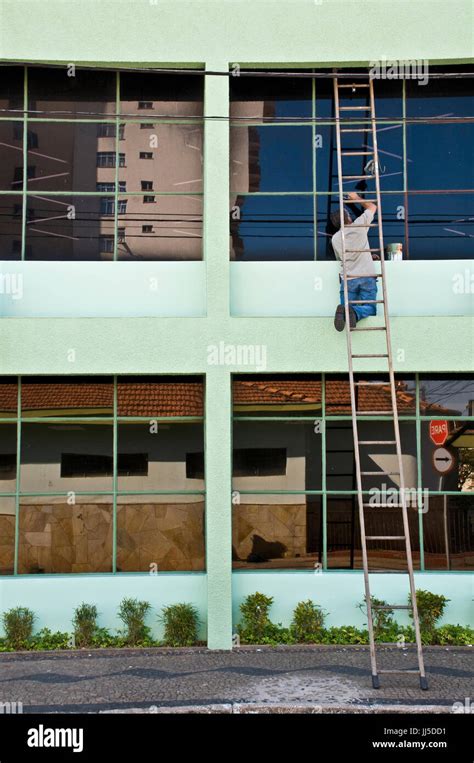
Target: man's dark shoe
[
  {"x": 352, "y": 318},
  {"x": 340, "y": 318}
]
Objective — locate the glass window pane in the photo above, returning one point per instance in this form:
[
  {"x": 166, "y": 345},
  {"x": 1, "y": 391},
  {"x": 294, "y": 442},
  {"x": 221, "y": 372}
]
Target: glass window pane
[
  {"x": 160, "y": 396},
  {"x": 63, "y": 538},
  {"x": 8, "y": 397},
  {"x": 69, "y": 396},
  {"x": 390, "y": 149},
  {"x": 340, "y": 466},
  {"x": 8, "y": 450},
  {"x": 67, "y": 156},
  {"x": 344, "y": 538},
  {"x": 160, "y": 456},
  {"x": 277, "y": 395},
  {"x": 152, "y": 95},
  {"x": 270, "y": 98},
  {"x": 276, "y": 455},
  {"x": 73, "y": 456},
  {"x": 393, "y": 213},
  {"x": 446, "y": 395},
  {"x": 7, "y": 535},
  {"x": 276, "y": 532},
  {"x": 67, "y": 92},
  {"x": 439, "y": 156},
  {"x": 160, "y": 228},
  {"x": 11, "y": 156},
  {"x": 157, "y": 533},
  {"x": 448, "y": 533},
  {"x": 271, "y": 159},
  {"x": 388, "y": 98},
  {"x": 440, "y": 473},
  {"x": 67, "y": 228},
  {"x": 169, "y": 156},
  {"x": 272, "y": 228},
  {"x": 11, "y": 90},
  {"x": 441, "y": 226},
  {"x": 376, "y": 397},
  {"x": 11, "y": 211},
  {"x": 441, "y": 97}
]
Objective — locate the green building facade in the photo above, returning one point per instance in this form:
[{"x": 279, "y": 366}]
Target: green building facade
[{"x": 180, "y": 286}]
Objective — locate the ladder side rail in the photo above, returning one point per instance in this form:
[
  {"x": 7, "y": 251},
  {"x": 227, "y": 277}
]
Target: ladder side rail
[{"x": 373, "y": 658}]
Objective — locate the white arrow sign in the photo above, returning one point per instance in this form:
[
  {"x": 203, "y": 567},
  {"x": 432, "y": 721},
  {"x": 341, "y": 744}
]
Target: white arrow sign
[{"x": 443, "y": 460}]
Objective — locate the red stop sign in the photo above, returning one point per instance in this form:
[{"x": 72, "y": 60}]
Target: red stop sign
[{"x": 439, "y": 431}]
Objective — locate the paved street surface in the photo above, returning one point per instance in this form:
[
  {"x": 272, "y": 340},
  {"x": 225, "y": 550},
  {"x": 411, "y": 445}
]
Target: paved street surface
[{"x": 316, "y": 678}]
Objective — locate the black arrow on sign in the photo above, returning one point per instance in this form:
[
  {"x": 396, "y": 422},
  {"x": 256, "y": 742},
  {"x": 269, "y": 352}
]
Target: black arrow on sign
[{"x": 438, "y": 458}]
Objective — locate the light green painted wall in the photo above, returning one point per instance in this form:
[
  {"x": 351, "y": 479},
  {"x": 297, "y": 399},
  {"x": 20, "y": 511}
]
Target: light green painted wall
[
  {"x": 303, "y": 31},
  {"x": 214, "y": 34}
]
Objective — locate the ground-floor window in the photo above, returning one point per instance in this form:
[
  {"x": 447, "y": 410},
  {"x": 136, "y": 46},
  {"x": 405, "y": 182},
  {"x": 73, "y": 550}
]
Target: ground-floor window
[
  {"x": 95, "y": 474},
  {"x": 295, "y": 503}
]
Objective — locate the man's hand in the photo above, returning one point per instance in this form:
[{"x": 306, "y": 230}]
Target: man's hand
[{"x": 352, "y": 196}]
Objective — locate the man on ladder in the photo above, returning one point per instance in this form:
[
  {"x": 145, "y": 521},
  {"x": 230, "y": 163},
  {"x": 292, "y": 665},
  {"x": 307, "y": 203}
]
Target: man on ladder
[{"x": 359, "y": 260}]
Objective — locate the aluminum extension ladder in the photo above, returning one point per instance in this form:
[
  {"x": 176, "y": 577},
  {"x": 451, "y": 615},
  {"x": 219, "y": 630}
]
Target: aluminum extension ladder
[{"x": 369, "y": 86}]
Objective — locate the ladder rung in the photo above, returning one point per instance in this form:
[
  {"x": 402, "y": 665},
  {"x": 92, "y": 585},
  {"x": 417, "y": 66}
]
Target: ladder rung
[
  {"x": 357, "y": 177},
  {"x": 354, "y": 85},
  {"x": 377, "y": 442},
  {"x": 374, "y": 413},
  {"x": 377, "y": 249},
  {"x": 356, "y": 201},
  {"x": 371, "y": 355},
  {"x": 372, "y": 225},
  {"x": 370, "y": 384},
  {"x": 356, "y": 153},
  {"x": 401, "y": 670},
  {"x": 365, "y": 275},
  {"x": 391, "y": 606},
  {"x": 354, "y": 108},
  {"x": 382, "y": 474},
  {"x": 385, "y": 537},
  {"x": 366, "y": 301},
  {"x": 358, "y": 129},
  {"x": 370, "y": 328}
]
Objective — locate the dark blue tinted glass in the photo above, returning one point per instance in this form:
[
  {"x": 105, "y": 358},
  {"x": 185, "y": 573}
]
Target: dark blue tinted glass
[
  {"x": 273, "y": 228},
  {"x": 271, "y": 159},
  {"x": 441, "y": 98},
  {"x": 440, "y": 156},
  {"x": 270, "y": 98},
  {"x": 390, "y": 148},
  {"x": 388, "y": 99},
  {"x": 441, "y": 226},
  {"x": 393, "y": 213}
]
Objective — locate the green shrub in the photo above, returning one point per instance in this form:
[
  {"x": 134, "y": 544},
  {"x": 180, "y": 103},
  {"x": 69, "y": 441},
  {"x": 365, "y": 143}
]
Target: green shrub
[
  {"x": 430, "y": 608},
  {"x": 18, "y": 625},
  {"x": 457, "y": 635},
  {"x": 46, "y": 639},
  {"x": 307, "y": 623},
  {"x": 256, "y": 626},
  {"x": 181, "y": 623},
  {"x": 382, "y": 619},
  {"x": 345, "y": 634},
  {"x": 85, "y": 624},
  {"x": 132, "y": 613}
]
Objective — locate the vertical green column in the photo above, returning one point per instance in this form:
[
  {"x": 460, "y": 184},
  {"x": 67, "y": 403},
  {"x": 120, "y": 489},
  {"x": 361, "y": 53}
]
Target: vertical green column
[{"x": 218, "y": 390}]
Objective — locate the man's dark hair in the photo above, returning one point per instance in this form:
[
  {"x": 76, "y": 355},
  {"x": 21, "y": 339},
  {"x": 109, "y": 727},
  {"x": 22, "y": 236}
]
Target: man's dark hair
[{"x": 336, "y": 218}]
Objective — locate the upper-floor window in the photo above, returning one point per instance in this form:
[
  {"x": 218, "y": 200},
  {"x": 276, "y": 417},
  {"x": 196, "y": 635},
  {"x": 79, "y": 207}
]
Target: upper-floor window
[
  {"x": 84, "y": 125},
  {"x": 284, "y": 173}
]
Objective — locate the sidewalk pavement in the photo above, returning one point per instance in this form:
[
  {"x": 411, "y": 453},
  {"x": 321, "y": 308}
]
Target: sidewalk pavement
[{"x": 294, "y": 679}]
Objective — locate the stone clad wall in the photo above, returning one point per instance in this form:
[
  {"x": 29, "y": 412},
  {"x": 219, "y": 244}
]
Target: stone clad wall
[{"x": 60, "y": 538}]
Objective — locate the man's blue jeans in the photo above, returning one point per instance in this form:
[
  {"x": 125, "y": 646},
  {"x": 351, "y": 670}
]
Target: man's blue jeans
[{"x": 361, "y": 288}]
